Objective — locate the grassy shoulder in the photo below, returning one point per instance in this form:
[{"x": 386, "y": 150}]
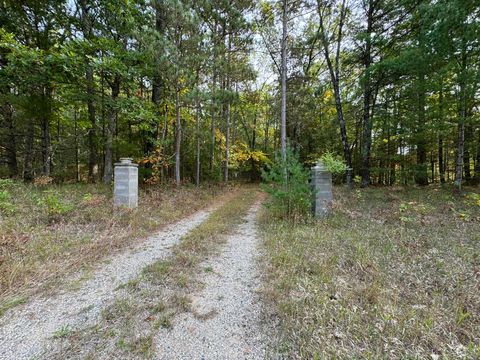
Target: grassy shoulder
[
  {"x": 150, "y": 302},
  {"x": 392, "y": 273},
  {"x": 49, "y": 231}
]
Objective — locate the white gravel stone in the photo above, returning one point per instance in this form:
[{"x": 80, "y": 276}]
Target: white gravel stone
[
  {"x": 26, "y": 331},
  {"x": 225, "y": 318}
]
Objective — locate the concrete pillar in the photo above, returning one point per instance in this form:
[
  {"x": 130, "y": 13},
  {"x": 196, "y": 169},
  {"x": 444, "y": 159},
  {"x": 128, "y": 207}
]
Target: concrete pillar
[
  {"x": 321, "y": 183},
  {"x": 126, "y": 183}
]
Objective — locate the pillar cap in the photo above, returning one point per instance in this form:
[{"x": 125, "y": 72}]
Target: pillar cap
[
  {"x": 126, "y": 162},
  {"x": 319, "y": 166}
]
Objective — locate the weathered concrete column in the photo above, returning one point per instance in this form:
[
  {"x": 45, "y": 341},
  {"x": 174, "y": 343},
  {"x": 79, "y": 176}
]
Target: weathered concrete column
[
  {"x": 321, "y": 183},
  {"x": 126, "y": 183}
]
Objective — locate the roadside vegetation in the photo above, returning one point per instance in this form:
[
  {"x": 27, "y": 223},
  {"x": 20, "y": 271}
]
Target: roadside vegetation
[
  {"x": 392, "y": 273},
  {"x": 47, "y": 231},
  {"x": 150, "y": 302}
]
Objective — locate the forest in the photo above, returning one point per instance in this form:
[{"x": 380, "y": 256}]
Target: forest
[{"x": 212, "y": 90}]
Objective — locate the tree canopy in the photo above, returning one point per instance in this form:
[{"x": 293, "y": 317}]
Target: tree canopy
[{"x": 201, "y": 90}]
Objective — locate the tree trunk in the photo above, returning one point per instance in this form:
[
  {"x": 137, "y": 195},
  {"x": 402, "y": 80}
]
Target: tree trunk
[
  {"x": 86, "y": 23},
  {"x": 109, "y": 132},
  {"x": 197, "y": 134},
  {"x": 227, "y": 112},
  {"x": 45, "y": 122},
  {"x": 10, "y": 140},
  {"x": 214, "y": 101},
  {"x": 178, "y": 133},
  {"x": 461, "y": 121},
  {"x": 477, "y": 161},
  {"x": 253, "y": 147},
  {"x": 421, "y": 173},
  {"x": 441, "y": 165},
  {"x": 459, "y": 157},
  {"x": 367, "y": 97},
  {"x": 334, "y": 70},
  {"x": 28, "y": 160},
  {"x": 466, "y": 153},
  {"x": 77, "y": 162},
  {"x": 92, "y": 132},
  {"x": 283, "y": 70},
  {"x": 157, "y": 81}
]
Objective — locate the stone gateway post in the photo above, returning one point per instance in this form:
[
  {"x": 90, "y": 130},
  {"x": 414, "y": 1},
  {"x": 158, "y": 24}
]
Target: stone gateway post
[
  {"x": 321, "y": 183},
  {"x": 126, "y": 184}
]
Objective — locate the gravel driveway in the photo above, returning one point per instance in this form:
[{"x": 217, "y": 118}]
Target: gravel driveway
[
  {"x": 225, "y": 318},
  {"x": 26, "y": 331}
]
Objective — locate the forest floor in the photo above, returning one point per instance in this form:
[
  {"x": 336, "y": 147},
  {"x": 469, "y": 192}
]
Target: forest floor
[
  {"x": 135, "y": 300},
  {"x": 392, "y": 273}
]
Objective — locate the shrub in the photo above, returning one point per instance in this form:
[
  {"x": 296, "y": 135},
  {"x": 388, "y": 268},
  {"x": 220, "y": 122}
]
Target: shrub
[
  {"x": 6, "y": 207},
  {"x": 55, "y": 207},
  {"x": 287, "y": 183},
  {"x": 333, "y": 163}
]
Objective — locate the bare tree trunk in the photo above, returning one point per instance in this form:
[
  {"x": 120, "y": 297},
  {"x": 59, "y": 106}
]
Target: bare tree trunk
[
  {"x": 109, "y": 132},
  {"x": 228, "y": 113},
  {"x": 92, "y": 132},
  {"x": 46, "y": 141},
  {"x": 441, "y": 165},
  {"x": 197, "y": 131},
  {"x": 461, "y": 121},
  {"x": 460, "y": 149},
  {"x": 214, "y": 101},
  {"x": 466, "y": 152},
  {"x": 157, "y": 81},
  {"x": 227, "y": 143},
  {"x": 28, "y": 160},
  {"x": 77, "y": 162},
  {"x": 283, "y": 73},
  {"x": 421, "y": 173},
  {"x": 477, "y": 161},
  {"x": 367, "y": 100},
  {"x": 334, "y": 71},
  {"x": 10, "y": 140},
  {"x": 178, "y": 133},
  {"x": 86, "y": 23}
]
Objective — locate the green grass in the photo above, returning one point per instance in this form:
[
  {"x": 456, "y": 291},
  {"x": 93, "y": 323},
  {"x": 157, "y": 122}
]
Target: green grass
[
  {"x": 62, "y": 333},
  {"x": 10, "y": 303},
  {"x": 49, "y": 231},
  {"x": 393, "y": 273}
]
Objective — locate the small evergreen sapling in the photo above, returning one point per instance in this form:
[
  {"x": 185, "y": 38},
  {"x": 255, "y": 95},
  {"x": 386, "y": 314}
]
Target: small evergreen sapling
[{"x": 287, "y": 183}]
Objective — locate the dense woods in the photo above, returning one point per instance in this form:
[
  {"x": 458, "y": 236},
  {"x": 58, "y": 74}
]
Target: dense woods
[{"x": 213, "y": 89}]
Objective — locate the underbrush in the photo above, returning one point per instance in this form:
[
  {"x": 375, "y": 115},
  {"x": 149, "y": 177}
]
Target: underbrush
[
  {"x": 392, "y": 273},
  {"x": 53, "y": 230}
]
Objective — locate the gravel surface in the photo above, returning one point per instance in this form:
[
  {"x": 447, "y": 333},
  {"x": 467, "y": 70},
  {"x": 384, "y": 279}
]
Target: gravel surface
[
  {"x": 26, "y": 331},
  {"x": 225, "y": 318}
]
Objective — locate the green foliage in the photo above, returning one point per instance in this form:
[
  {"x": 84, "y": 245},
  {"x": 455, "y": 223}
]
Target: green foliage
[
  {"x": 287, "y": 183},
  {"x": 6, "y": 183},
  {"x": 6, "y": 205},
  {"x": 56, "y": 207},
  {"x": 333, "y": 163}
]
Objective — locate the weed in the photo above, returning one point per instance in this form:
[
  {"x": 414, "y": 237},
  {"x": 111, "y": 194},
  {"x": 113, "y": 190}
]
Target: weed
[
  {"x": 6, "y": 206},
  {"x": 164, "y": 321},
  {"x": 62, "y": 333},
  {"x": 11, "y": 303}
]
